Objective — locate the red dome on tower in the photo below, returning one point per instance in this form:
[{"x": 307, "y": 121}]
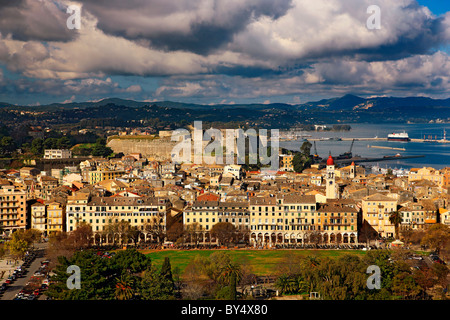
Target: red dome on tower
[{"x": 330, "y": 161}]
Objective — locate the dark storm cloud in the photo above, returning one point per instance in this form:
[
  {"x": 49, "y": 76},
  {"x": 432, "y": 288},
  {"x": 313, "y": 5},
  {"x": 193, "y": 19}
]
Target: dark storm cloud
[
  {"x": 34, "y": 20},
  {"x": 195, "y": 26}
]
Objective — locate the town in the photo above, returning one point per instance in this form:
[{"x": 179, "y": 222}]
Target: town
[{"x": 132, "y": 200}]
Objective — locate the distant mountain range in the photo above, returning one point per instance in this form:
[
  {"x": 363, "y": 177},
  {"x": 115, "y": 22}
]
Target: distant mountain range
[
  {"x": 347, "y": 102},
  {"x": 346, "y": 109},
  {"x": 351, "y": 102}
]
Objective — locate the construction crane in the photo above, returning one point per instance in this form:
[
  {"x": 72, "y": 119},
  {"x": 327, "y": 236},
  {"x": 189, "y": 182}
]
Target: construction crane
[
  {"x": 348, "y": 154},
  {"x": 316, "y": 154}
]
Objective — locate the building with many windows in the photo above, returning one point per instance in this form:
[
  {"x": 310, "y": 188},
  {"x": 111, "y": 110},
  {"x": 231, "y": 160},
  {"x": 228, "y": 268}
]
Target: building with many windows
[
  {"x": 147, "y": 214},
  {"x": 39, "y": 217},
  {"x": 337, "y": 222},
  {"x": 286, "y": 162},
  {"x": 55, "y": 217},
  {"x": 281, "y": 219},
  {"x": 13, "y": 213},
  {"x": 376, "y": 210},
  {"x": 102, "y": 175},
  {"x": 417, "y": 215},
  {"x": 57, "y": 154},
  {"x": 203, "y": 215}
]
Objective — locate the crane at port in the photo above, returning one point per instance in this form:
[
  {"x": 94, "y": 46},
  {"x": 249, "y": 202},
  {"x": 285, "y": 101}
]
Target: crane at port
[
  {"x": 348, "y": 154},
  {"x": 316, "y": 157}
]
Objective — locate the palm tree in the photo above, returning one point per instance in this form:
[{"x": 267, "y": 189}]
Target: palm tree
[
  {"x": 395, "y": 218},
  {"x": 231, "y": 269},
  {"x": 124, "y": 288},
  {"x": 283, "y": 283}
]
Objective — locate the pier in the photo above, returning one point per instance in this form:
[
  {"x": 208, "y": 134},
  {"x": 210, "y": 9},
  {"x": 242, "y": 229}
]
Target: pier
[
  {"x": 384, "y": 139},
  {"x": 385, "y": 158},
  {"x": 388, "y": 148}
]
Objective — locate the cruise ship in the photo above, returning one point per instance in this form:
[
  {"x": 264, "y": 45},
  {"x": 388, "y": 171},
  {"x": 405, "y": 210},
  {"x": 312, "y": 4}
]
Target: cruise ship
[{"x": 402, "y": 136}]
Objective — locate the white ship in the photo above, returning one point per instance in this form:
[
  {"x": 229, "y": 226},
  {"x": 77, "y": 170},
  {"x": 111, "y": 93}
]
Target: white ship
[{"x": 402, "y": 136}]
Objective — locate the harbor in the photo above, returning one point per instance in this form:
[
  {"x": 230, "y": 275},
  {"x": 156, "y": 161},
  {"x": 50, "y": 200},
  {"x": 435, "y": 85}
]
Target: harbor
[
  {"x": 428, "y": 145},
  {"x": 392, "y": 137},
  {"x": 358, "y": 159}
]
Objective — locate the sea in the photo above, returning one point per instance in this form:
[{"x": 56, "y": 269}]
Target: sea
[{"x": 436, "y": 155}]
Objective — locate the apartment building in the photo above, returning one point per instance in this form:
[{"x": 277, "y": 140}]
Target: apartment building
[
  {"x": 57, "y": 154},
  {"x": 376, "y": 210},
  {"x": 147, "y": 214},
  {"x": 102, "y": 174},
  {"x": 417, "y": 215},
  {"x": 205, "y": 214},
  {"x": 286, "y": 162},
  {"x": 440, "y": 177},
  {"x": 444, "y": 216},
  {"x": 281, "y": 219},
  {"x": 12, "y": 208},
  {"x": 39, "y": 217},
  {"x": 337, "y": 222},
  {"x": 55, "y": 217}
]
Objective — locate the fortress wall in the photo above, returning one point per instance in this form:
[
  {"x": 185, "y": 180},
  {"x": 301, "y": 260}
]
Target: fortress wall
[{"x": 157, "y": 149}]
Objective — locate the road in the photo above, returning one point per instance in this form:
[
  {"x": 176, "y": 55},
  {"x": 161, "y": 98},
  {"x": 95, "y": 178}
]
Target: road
[{"x": 15, "y": 287}]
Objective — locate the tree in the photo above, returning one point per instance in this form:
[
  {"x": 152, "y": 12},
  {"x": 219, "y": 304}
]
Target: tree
[
  {"x": 287, "y": 284},
  {"x": 130, "y": 261},
  {"x": 192, "y": 230},
  {"x": 98, "y": 278},
  {"x": 437, "y": 237},
  {"x": 303, "y": 160},
  {"x": 100, "y": 141},
  {"x": 101, "y": 151},
  {"x": 7, "y": 145},
  {"x": 21, "y": 241},
  {"x": 17, "y": 248},
  {"x": 155, "y": 285},
  {"x": 166, "y": 270},
  {"x": 51, "y": 143},
  {"x": 231, "y": 270},
  {"x": 156, "y": 228},
  {"x": 81, "y": 237},
  {"x": 225, "y": 232},
  {"x": 101, "y": 279},
  {"x": 124, "y": 288},
  {"x": 63, "y": 143},
  {"x": 232, "y": 285},
  {"x": 404, "y": 285},
  {"x": 124, "y": 230},
  {"x": 396, "y": 219},
  {"x": 37, "y": 146}
]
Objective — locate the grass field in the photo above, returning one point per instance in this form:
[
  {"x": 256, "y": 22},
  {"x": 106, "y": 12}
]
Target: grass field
[{"x": 262, "y": 262}]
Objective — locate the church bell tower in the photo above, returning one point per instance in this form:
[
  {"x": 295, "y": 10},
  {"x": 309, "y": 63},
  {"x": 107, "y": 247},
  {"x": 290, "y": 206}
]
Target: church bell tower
[{"x": 330, "y": 179}]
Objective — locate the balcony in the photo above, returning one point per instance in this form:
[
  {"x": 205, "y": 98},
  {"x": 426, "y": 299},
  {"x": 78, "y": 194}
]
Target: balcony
[
  {"x": 9, "y": 207},
  {"x": 39, "y": 216},
  {"x": 9, "y": 219},
  {"x": 300, "y": 223}
]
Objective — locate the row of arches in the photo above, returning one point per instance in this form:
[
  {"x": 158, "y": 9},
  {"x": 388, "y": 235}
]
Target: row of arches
[
  {"x": 260, "y": 238},
  {"x": 121, "y": 238}
]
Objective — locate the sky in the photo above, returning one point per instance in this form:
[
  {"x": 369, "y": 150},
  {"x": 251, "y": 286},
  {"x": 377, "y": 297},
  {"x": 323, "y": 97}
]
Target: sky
[{"x": 222, "y": 51}]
